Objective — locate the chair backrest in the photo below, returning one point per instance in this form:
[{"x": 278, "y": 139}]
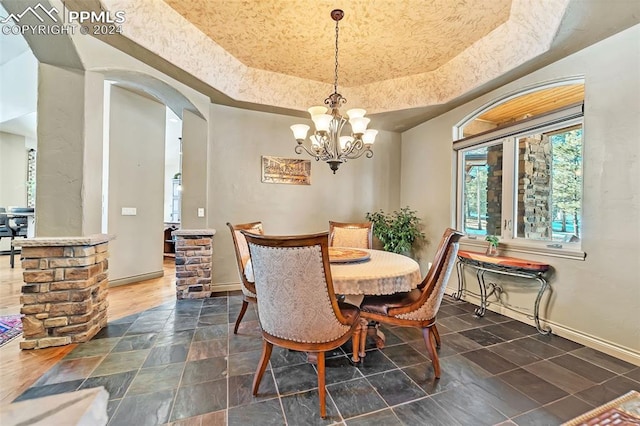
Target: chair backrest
[
  {"x": 434, "y": 284},
  {"x": 242, "y": 251},
  {"x": 357, "y": 235},
  {"x": 14, "y": 209},
  {"x": 20, "y": 224},
  {"x": 296, "y": 300},
  {"x": 5, "y": 230},
  {"x": 3, "y": 217}
]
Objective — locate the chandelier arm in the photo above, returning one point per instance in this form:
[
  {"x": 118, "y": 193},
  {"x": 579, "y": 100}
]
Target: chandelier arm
[
  {"x": 355, "y": 146},
  {"x": 355, "y": 154},
  {"x": 366, "y": 150},
  {"x": 298, "y": 149}
]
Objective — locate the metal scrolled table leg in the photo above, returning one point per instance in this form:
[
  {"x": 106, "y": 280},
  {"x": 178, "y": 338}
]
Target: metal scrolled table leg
[
  {"x": 536, "y": 308},
  {"x": 480, "y": 311},
  {"x": 458, "y": 294}
]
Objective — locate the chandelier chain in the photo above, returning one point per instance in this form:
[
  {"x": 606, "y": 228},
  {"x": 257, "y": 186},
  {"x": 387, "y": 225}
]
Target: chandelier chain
[{"x": 335, "y": 81}]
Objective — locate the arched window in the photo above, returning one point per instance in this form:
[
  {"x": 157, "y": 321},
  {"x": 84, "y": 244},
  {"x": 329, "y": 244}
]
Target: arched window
[{"x": 519, "y": 174}]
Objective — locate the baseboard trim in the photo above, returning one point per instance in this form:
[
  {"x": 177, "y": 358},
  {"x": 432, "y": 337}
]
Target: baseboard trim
[
  {"x": 136, "y": 278},
  {"x": 610, "y": 348}
]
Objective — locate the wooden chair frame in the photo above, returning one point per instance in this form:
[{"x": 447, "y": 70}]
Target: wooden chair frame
[
  {"x": 243, "y": 279},
  {"x": 429, "y": 331}
]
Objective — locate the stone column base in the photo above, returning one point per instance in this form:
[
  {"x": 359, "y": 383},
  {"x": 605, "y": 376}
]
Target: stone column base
[
  {"x": 194, "y": 248},
  {"x": 64, "y": 296}
]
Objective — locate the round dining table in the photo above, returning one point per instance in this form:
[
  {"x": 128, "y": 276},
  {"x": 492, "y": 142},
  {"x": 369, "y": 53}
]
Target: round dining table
[
  {"x": 382, "y": 272},
  {"x": 368, "y": 272}
]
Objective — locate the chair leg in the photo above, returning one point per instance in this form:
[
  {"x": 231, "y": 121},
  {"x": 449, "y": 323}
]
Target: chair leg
[
  {"x": 264, "y": 360},
  {"x": 428, "y": 340},
  {"x": 436, "y": 335},
  {"x": 240, "y": 315},
  {"x": 364, "y": 324},
  {"x": 355, "y": 343},
  {"x": 11, "y": 260},
  {"x": 321, "y": 386}
]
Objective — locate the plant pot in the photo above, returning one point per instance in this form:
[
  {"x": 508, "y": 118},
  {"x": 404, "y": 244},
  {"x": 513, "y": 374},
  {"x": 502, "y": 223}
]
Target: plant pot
[{"x": 492, "y": 250}]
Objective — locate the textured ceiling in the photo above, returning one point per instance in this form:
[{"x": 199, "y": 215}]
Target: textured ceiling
[
  {"x": 536, "y": 33},
  {"x": 160, "y": 29},
  {"x": 378, "y": 40}
]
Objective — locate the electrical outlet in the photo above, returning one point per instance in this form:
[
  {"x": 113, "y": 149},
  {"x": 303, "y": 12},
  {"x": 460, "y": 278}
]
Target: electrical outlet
[
  {"x": 129, "y": 211},
  {"x": 200, "y": 211}
]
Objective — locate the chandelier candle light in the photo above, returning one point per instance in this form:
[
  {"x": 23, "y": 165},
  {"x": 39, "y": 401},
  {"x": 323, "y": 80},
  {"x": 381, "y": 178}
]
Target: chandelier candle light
[{"x": 327, "y": 143}]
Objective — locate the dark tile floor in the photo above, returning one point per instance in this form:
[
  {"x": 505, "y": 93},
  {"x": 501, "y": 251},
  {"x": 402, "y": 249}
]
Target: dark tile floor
[{"x": 180, "y": 363}]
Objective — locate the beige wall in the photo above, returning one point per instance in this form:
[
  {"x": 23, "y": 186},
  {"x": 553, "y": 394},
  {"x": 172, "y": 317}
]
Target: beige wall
[
  {"x": 60, "y": 154},
  {"x": 13, "y": 175},
  {"x": 238, "y": 139},
  {"x": 92, "y": 153},
  {"x": 194, "y": 171},
  {"x": 595, "y": 301},
  {"x": 136, "y": 180}
]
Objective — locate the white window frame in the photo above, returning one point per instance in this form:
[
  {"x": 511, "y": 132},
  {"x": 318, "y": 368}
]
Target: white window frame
[{"x": 559, "y": 119}]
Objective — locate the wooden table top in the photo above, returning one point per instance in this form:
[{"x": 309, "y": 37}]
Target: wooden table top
[{"x": 504, "y": 261}]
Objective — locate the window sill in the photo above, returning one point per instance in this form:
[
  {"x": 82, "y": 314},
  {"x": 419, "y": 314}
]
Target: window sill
[{"x": 565, "y": 253}]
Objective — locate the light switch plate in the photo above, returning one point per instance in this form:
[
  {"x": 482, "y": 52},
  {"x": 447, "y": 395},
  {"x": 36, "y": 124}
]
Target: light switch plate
[
  {"x": 200, "y": 211},
  {"x": 129, "y": 211}
]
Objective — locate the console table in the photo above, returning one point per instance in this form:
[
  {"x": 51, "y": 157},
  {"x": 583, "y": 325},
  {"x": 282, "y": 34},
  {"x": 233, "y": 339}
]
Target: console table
[{"x": 501, "y": 265}]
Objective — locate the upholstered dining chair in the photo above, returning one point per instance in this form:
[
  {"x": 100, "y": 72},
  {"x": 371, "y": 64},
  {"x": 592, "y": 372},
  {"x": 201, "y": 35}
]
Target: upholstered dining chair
[
  {"x": 242, "y": 257},
  {"x": 419, "y": 307},
  {"x": 297, "y": 305},
  {"x": 356, "y": 235}
]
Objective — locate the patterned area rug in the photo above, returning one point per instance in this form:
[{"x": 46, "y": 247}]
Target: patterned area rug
[
  {"x": 623, "y": 411},
  {"x": 10, "y": 328}
]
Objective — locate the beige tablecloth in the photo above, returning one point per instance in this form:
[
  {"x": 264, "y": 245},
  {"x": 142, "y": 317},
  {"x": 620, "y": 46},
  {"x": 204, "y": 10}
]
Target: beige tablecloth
[{"x": 383, "y": 273}]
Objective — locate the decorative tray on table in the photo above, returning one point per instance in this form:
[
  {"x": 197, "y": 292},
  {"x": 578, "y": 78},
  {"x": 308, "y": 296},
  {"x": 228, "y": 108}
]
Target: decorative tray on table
[{"x": 347, "y": 255}]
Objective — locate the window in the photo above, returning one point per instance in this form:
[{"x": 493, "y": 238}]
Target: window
[
  {"x": 550, "y": 185},
  {"x": 523, "y": 181}
]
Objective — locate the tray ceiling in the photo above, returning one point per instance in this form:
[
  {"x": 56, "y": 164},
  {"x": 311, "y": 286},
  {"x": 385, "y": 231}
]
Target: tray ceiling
[
  {"x": 280, "y": 53},
  {"x": 379, "y": 40},
  {"x": 404, "y": 61}
]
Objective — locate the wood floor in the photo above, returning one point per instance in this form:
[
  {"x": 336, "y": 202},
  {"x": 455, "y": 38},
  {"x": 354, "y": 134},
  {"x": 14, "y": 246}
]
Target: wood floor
[{"x": 20, "y": 369}]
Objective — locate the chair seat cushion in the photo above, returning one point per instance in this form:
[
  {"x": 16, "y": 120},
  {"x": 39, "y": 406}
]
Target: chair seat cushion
[
  {"x": 382, "y": 304},
  {"x": 349, "y": 312}
]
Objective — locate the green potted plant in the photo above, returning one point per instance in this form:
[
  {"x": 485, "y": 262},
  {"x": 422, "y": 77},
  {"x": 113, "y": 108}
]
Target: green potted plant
[
  {"x": 396, "y": 231},
  {"x": 492, "y": 248}
]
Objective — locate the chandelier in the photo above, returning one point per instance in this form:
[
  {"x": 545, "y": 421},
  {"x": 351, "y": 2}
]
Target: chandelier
[{"x": 327, "y": 142}]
